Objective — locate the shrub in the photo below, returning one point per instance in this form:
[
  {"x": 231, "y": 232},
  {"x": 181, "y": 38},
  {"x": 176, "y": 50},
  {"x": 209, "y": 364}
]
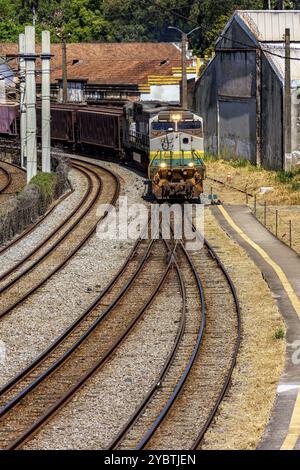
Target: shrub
[
  {"x": 46, "y": 182},
  {"x": 279, "y": 333}
]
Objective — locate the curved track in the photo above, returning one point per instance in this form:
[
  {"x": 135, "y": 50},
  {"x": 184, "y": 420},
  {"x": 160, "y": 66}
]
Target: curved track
[
  {"x": 205, "y": 347},
  {"x": 43, "y": 388},
  {"x": 7, "y": 179},
  {"x": 17, "y": 284},
  {"x": 173, "y": 394}
]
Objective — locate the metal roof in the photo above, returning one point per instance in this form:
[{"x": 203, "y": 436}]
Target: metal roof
[
  {"x": 277, "y": 60},
  {"x": 270, "y": 25}
]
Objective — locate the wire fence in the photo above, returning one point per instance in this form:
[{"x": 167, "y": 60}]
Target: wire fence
[{"x": 281, "y": 222}]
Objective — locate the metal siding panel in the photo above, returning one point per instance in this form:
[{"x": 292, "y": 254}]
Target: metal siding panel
[
  {"x": 238, "y": 129},
  {"x": 99, "y": 129},
  {"x": 271, "y": 25}
]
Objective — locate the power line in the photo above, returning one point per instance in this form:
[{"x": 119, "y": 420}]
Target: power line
[{"x": 259, "y": 48}]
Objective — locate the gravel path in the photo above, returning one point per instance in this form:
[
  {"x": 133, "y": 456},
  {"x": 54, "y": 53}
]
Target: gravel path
[
  {"x": 102, "y": 407},
  {"x": 29, "y": 329}
]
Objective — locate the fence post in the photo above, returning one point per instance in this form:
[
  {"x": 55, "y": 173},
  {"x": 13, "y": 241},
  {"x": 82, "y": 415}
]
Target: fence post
[
  {"x": 265, "y": 216},
  {"x": 290, "y": 234},
  {"x": 277, "y": 223},
  {"x": 246, "y": 189},
  {"x": 255, "y": 204}
]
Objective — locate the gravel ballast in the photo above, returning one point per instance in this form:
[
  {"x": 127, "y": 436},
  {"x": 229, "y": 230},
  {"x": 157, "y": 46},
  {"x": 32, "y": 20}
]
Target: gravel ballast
[{"x": 32, "y": 327}]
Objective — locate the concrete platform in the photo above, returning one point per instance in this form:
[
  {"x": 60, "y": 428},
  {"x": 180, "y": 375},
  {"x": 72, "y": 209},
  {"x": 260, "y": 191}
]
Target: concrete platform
[{"x": 281, "y": 268}]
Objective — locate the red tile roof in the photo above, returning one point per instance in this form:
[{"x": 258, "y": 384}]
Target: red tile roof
[{"x": 110, "y": 63}]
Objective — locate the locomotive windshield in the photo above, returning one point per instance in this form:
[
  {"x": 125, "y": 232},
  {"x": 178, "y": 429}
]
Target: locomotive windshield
[
  {"x": 189, "y": 125},
  {"x": 163, "y": 126},
  {"x": 171, "y": 126}
]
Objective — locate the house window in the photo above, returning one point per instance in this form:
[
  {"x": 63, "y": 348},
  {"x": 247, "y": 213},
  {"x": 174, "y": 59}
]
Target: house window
[{"x": 75, "y": 91}]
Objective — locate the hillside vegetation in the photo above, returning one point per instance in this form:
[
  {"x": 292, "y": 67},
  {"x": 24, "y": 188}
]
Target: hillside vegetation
[{"x": 125, "y": 20}]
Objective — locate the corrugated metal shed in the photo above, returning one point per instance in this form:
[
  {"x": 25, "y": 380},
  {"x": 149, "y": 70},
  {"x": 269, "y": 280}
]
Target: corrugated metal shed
[
  {"x": 279, "y": 62},
  {"x": 269, "y": 26}
]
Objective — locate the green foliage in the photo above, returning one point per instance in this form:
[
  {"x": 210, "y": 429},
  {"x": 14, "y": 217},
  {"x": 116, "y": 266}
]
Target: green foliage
[
  {"x": 46, "y": 182},
  {"x": 279, "y": 333},
  {"x": 210, "y": 157},
  {"x": 287, "y": 176},
  {"x": 125, "y": 20}
]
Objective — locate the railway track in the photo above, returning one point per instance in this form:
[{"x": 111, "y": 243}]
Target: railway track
[
  {"x": 185, "y": 398},
  {"x": 186, "y": 395},
  {"x": 39, "y": 391},
  {"x": 7, "y": 179},
  {"x": 31, "y": 272},
  {"x": 13, "y": 179}
]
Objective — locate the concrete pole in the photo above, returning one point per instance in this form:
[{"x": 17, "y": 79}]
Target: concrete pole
[
  {"x": 184, "y": 103},
  {"x": 30, "y": 101},
  {"x": 46, "y": 55},
  {"x": 287, "y": 97},
  {"x": 22, "y": 101}
]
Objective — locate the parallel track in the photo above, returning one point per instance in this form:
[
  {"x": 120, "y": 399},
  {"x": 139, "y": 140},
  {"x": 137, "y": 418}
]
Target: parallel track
[
  {"x": 143, "y": 428},
  {"x": 38, "y": 394},
  {"x": 27, "y": 395},
  {"x": 15, "y": 291}
]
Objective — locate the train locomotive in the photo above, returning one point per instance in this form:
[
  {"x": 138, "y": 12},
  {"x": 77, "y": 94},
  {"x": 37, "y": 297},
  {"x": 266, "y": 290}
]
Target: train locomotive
[
  {"x": 165, "y": 141},
  {"x": 169, "y": 140}
]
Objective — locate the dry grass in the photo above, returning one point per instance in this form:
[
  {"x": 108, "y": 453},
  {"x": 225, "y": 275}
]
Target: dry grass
[
  {"x": 251, "y": 179},
  {"x": 286, "y": 214},
  {"x": 246, "y": 409},
  {"x": 282, "y": 198}
]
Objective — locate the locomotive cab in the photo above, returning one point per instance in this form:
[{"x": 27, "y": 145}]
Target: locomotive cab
[{"x": 176, "y": 148}]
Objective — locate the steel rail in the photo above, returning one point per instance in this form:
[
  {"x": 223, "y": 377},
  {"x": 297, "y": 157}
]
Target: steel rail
[
  {"x": 69, "y": 330},
  {"x": 167, "y": 364},
  {"x": 52, "y": 234},
  {"x": 82, "y": 242},
  {"x": 141, "y": 445},
  {"x": 228, "y": 377},
  {"x": 63, "y": 400},
  {"x": 8, "y": 178},
  {"x": 39, "y": 360},
  {"x": 146, "y": 438}
]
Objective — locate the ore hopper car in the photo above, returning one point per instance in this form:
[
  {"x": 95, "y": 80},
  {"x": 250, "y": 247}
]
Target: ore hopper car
[
  {"x": 9, "y": 118},
  {"x": 100, "y": 127}
]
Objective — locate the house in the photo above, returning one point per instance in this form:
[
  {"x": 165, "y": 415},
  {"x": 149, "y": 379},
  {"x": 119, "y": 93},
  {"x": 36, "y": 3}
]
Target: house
[
  {"x": 240, "y": 93},
  {"x": 116, "y": 71}
]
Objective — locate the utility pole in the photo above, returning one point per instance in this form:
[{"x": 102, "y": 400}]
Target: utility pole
[
  {"x": 184, "y": 91},
  {"x": 184, "y": 43},
  {"x": 287, "y": 94},
  {"x": 22, "y": 101},
  {"x": 64, "y": 69},
  {"x": 30, "y": 84},
  {"x": 46, "y": 56}
]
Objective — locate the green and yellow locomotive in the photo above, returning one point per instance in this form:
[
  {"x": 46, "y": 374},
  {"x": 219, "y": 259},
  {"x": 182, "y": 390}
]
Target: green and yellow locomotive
[{"x": 168, "y": 141}]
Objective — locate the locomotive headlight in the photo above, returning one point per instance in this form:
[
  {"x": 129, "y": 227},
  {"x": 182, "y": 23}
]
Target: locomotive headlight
[
  {"x": 176, "y": 117},
  {"x": 191, "y": 164},
  {"x": 163, "y": 165}
]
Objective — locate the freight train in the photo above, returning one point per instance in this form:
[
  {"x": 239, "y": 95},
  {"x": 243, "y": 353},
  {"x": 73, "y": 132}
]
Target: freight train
[{"x": 166, "y": 141}]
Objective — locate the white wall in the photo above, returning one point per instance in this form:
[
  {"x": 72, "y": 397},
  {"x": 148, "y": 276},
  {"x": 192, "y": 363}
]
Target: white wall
[{"x": 168, "y": 93}]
